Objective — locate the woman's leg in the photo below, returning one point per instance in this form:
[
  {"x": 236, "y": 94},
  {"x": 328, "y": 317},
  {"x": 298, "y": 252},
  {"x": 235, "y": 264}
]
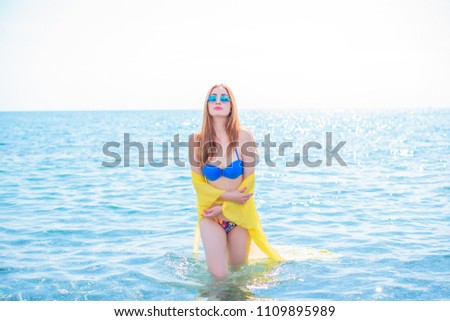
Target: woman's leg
[
  {"x": 238, "y": 246},
  {"x": 214, "y": 242}
]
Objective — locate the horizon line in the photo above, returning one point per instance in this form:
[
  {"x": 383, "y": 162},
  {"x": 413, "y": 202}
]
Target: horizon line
[{"x": 246, "y": 109}]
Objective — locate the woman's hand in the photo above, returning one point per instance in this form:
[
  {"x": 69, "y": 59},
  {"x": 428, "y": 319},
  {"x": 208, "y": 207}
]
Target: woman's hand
[
  {"x": 238, "y": 196},
  {"x": 213, "y": 211}
]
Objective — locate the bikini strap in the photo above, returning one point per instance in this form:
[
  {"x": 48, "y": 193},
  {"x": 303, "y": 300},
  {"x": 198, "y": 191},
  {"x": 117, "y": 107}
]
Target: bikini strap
[{"x": 235, "y": 149}]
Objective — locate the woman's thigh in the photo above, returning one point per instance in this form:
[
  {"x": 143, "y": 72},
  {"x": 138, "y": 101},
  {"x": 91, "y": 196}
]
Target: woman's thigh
[
  {"x": 238, "y": 246},
  {"x": 214, "y": 242}
]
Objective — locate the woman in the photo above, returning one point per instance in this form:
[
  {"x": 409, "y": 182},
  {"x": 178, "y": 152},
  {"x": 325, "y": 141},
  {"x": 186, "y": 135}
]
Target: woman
[{"x": 219, "y": 158}]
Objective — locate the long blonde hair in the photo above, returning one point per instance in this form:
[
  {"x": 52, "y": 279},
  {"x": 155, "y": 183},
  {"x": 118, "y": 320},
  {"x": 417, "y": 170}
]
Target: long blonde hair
[{"x": 207, "y": 134}]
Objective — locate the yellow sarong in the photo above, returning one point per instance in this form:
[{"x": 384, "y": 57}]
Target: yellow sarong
[{"x": 244, "y": 215}]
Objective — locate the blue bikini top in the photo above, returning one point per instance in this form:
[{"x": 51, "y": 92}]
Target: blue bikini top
[{"x": 232, "y": 171}]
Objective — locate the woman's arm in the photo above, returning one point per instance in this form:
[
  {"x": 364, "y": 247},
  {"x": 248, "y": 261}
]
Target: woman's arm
[
  {"x": 236, "y": 196},
  {"x": 248, "y": 151},
  {"x": 195, "y": 164},
  {"x": 213, "y": 211}
]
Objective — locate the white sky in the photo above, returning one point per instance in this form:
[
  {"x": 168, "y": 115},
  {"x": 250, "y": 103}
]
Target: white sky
[{"x": 68, "y": 55}]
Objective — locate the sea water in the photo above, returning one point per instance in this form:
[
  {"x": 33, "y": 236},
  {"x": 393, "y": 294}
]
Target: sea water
[{"x": 74, "y": 229}]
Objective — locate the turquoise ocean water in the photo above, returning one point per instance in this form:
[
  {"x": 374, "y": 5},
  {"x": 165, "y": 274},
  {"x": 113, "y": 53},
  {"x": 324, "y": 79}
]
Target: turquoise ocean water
[{"x": 72, "y": 229}]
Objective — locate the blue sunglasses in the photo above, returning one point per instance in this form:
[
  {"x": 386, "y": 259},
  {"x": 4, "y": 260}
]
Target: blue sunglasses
[{"x": 223, "y": 99}]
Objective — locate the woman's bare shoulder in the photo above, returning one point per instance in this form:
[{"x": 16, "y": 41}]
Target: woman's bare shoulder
[
  {"x": 194, "y": 138},
  {"x": 196, "y": 135},
  {"x": 245, "y": 135}
]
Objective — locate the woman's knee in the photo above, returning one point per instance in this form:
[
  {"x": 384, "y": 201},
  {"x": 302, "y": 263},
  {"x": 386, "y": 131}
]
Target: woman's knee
[{"x": 219, "y": 273}]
